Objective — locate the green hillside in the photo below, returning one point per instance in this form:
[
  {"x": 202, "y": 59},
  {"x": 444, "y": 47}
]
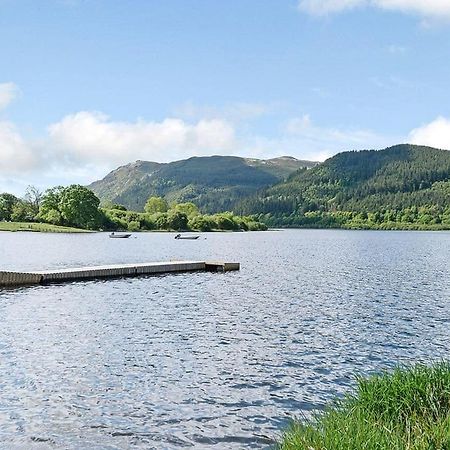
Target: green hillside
[
  {"x": 404, "y": 186},
  {"x": 214, "y": 183}
]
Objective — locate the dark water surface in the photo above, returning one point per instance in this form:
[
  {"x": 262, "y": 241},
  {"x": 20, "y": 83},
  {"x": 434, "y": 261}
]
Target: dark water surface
[{"x": 209, "y": 360}]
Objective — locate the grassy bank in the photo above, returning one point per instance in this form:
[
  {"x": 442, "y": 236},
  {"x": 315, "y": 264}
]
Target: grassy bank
[
  {"x": 39, "y": 227},
  {"x": 407, "y": 409}
]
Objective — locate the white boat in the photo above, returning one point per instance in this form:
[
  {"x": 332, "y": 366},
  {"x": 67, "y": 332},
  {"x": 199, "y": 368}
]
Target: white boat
[
  {"x": 119, "y": 235},
  {"x": 180, "y": 236}
]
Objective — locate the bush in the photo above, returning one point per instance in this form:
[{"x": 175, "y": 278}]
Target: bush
[
  {"x": 188, "y": 208},
  {"x": 23, "y": 212},
  {"x": 177, "y": 220},
  {"x": 147, "y": 222},
  {"x": 201, "y": 223},
  {"x": 161, "y": 221},
  {"x": 52, "y": 216},
  {"x": 225, "y": 222},
  {"x": 256, "y": 226},
  {"x": 134, "y": 226}
]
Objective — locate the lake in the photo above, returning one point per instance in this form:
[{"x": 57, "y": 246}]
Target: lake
[{"x": 209, "y": 360}]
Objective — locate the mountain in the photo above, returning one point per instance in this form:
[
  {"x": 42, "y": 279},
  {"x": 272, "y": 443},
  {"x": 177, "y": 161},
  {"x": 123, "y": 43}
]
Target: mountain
[
  {"x": 405, "y": 183},
  {"x": 214, "y": 183}
]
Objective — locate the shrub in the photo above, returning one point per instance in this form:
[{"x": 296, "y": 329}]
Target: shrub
[
  {"x": 201, "y": 223},
  {"x": 147, "y": 222},
  {"x": 225, "y": 222},
  {"x": 134, "y": 226},
  {"x": 161, "y": 221},
  {"x": 52, "y": 216},
  {"x": 177, "y": 220}
]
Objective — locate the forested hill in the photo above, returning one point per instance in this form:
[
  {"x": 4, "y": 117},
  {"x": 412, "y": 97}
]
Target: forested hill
[
  {"x": 214, "y": 183},
  {"x": 404, "y": 185}
]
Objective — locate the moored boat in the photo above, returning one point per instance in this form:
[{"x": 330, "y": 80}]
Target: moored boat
[
  {"x": 181, "y": 236},
  {"x": 119, "y": 235}
]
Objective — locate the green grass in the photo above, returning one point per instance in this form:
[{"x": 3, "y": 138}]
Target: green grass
[
  {"x": 41, "y": 227},
  {"x": 408, "y": 409}
]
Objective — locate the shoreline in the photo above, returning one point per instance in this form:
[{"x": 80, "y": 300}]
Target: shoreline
[
  {"x": 37, "y": 227},
  {"x": 435, "y": 227}
]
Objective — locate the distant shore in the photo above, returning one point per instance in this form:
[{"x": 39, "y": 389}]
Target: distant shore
[
  {"x": 39, "y": 227},
  {"x": 48, "y": 228},
  {"x": 390, "y": 226}
]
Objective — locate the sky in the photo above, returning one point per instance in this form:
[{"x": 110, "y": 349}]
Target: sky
[{"x": 88, "y": 85}]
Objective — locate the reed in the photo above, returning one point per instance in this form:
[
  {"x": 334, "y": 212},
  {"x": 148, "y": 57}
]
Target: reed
[{"x": 406, "y": 409}]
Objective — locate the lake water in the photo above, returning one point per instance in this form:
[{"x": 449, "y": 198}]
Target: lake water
[{"x": 209, "y": 360}]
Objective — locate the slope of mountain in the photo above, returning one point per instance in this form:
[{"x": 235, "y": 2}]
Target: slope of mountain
[
  {"x": 397, "y": 181},
  {"x": 214, "y": 183},
  {"x": 281, "y": 167}
]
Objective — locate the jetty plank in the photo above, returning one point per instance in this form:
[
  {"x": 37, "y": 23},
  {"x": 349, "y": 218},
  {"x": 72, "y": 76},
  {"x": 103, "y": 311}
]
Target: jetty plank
[{"x": 12, "y": 278}]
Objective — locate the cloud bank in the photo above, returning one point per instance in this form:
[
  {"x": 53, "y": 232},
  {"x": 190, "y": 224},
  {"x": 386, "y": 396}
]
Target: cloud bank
[
  {"x": 84, "y": 146},
  {"x": 91, "y": 137},
  {"x": 15, "y": 153},
  {"x": 435, "y": 134},
  {"x": 438, "y": 9}
]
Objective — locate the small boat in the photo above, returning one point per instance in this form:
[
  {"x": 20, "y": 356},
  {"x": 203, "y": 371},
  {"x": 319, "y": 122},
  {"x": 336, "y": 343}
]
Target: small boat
[
  {"x": 119, "y": 236},
  {"x": 180, "y": 236}
]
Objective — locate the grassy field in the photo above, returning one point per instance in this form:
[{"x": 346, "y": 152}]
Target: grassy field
[
  {"x": 39, "y": 227},
  {"x": 408, "y": 409}
]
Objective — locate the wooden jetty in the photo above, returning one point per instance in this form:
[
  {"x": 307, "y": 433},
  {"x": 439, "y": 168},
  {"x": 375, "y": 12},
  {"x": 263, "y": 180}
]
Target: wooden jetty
[{"x": 111, "y": 271}]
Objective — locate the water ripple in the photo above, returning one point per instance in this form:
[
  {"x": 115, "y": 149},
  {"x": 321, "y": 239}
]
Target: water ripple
[{"x": 210, "y": 360}]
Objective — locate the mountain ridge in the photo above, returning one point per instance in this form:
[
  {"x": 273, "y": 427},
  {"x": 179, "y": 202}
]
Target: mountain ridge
[
  {"x": 400, "y": 183},
  {"x": 214, "y": 183}
]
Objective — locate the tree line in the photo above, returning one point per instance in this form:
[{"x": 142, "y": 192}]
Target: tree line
[{"x": 77, "y": 206}]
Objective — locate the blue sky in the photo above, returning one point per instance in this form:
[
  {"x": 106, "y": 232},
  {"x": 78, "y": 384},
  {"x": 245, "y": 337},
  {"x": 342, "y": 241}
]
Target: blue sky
[{"x": 86, "y": 85}]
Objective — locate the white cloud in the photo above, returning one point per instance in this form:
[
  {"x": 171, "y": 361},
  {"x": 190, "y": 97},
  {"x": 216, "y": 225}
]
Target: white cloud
[
  {"x": 438, "y": 9},
  {"x": 435, "y": 134},
  {"x": 93, "y": 137},
  {"x": 90, "y": 141},
  {"x": 15, "y": 153},
  {"x": 304, "y": 128},
  {"x": 301, "y": 138},
  {"x": 432, "y": 8},
  {"x": 8, "y": 92},
  {"x": 84, "y": 146}
]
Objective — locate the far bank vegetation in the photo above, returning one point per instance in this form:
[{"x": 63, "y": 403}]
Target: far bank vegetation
[{"x": 78, "y": 207}]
